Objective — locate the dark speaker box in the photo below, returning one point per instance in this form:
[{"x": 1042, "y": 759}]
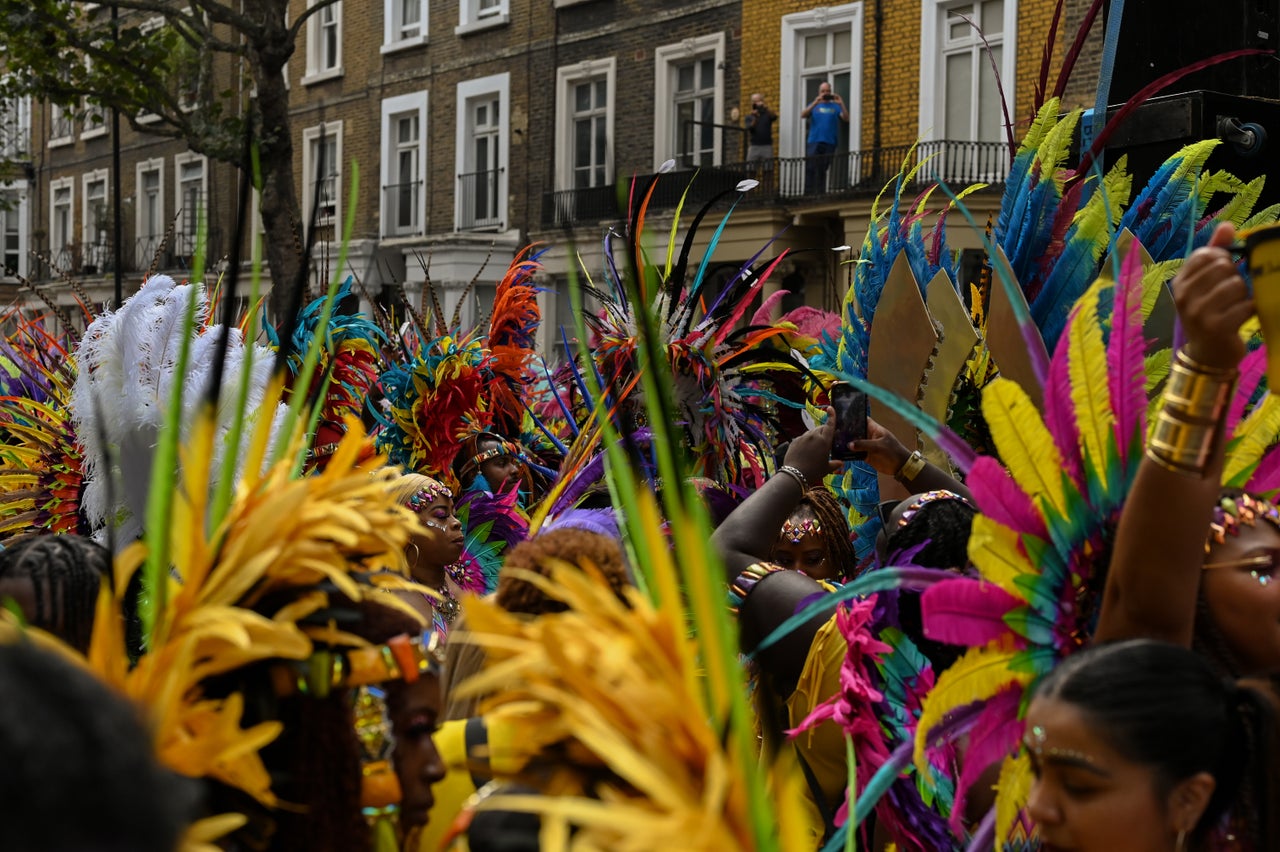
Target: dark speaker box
[{"x": 1160, "y": 36}]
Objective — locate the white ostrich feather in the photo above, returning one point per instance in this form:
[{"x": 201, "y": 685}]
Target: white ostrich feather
[{"x": 127, "y": 374}]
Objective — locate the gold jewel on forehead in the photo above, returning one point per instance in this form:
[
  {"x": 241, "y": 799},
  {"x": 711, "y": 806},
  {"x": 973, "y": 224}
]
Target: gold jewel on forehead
[{"x": 795, "y": 531}]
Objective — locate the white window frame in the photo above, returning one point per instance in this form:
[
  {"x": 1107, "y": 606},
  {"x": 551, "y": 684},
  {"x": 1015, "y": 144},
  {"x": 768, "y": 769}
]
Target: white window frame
[
  {"x": 144, "y": 167},
  {"x": 393, "y": 108},
  {"x": 316, "y": 73},
  {"x": 469, "y": 90},
  {"x": 22, "y": 212},
  {"x": 181, "y": 214},
  {"x": 663, "y": 58},
  {"x": 471, "y": 19},
  {"x": 70, "y": 236},
  {"x": 393, "y": 38},
  {"x": 88, "y": 233},
  {"x": 56, "y": 114},
  {"x": 88, "y": 129},
  {"x": 310, "y": 136},
  {"x": 795, "y": 27},
  {"x": 932, "y": 20},
  {"x": 568, "y": 76},
  {"x": 15, "y": 143}
]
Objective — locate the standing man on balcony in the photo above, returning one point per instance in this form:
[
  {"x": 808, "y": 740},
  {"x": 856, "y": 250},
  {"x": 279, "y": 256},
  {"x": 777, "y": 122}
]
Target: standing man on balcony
[
  {"x": 824, "y": 114},
  {"x": 759, "y": 124}
]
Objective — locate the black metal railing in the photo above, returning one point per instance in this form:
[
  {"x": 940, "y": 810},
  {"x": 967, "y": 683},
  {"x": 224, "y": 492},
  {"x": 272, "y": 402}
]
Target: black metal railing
[
  {"x": 402, "y": 214},
  {"x": 479, "y": 196},
  {"x": 793, "y": 180}
]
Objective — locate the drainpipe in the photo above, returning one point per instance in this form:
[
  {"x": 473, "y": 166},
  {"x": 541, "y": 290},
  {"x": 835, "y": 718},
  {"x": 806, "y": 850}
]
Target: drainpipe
[{"x": 879, "y": 85}]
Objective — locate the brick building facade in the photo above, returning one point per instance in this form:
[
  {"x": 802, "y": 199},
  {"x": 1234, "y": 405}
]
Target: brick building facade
[{"x": 482, "y": 125}]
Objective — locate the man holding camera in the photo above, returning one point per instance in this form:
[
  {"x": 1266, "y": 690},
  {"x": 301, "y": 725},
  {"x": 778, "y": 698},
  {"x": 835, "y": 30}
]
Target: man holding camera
[
  {"x": 759, "y": 123},
  {"x": 825, "y": 114}
]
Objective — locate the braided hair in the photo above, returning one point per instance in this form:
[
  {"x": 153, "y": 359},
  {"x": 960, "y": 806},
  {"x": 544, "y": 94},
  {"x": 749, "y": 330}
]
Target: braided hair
[
  {"x": 830, "y": 514},
  {"x": 65, "y": 572}
]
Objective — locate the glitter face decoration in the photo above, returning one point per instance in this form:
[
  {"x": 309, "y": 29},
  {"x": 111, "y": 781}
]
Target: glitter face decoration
[
  {"x": 794, "y": 532},
  {"x": 427, "y": 495},
  {"x": 1230, "y": 513}
]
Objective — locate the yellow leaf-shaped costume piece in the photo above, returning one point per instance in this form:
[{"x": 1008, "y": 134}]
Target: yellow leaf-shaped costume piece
[
  {"x": 1012, "y": 791},
  {"x": 996, "y": 551}
]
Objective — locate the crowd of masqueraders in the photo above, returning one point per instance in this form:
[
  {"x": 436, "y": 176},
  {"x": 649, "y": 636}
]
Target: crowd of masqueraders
[{"x": 376, "y": 581}]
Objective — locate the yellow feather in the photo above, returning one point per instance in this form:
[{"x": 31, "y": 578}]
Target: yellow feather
[
  {"x": 1090, "y": 393},
  {"x": 995, "y": 551},
  {"x": 1023, "y": 441},
  {"x": 1012, "y": 791},
  {"x": 979, "y": 674},
  {"x": 1255, "y": 434}
]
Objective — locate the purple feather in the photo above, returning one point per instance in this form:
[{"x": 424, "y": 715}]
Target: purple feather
[
  {"x": 1266, "y": 477},
  {"x": 1252, "y": 368},
  {"x": 1002, "y": 500},
  {"x": 994, "y": 737},
  {"x": 985, "y": 836},
  {"x": 1059, "y": 415},
  {"x": 599, "y": 521},
  {"x": 965, "y": 611},
  {"x": 1125, "y": 373}
]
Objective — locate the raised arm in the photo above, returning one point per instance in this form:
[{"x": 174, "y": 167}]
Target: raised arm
[
  {"x": 1159, "y": 551},
  {"x": 888, "y": 456},
  {"x": 748, "y": 534}
]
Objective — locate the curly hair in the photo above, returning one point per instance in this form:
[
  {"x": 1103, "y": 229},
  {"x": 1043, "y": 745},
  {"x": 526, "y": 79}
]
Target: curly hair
[
  {"x": 569, "y": 544},
  {"x": 66, "y": 572}
]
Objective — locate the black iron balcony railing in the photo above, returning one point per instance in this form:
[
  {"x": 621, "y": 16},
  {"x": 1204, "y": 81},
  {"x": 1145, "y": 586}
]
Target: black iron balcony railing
[
  {"x": 478, "y": 194},
  {"x": 794, "y": 180},
  {"x": 402, "y": 211}
]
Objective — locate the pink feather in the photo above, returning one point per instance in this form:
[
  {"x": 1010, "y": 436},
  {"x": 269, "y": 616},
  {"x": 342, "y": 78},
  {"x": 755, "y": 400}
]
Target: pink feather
[
  {"x": 965, "y": 611},
  {"x": 1001, "y": 499},
  {"x": 1266, "y": 477},
  {"x": 764, "y": 314},
  {"x": 1125, "y": 373},
  {"x": 994, "y": 737},
  {"x": 1252, "y": 368},
  {"x": 813, "y": 322},
  {"x": 1059, "y": 415}
]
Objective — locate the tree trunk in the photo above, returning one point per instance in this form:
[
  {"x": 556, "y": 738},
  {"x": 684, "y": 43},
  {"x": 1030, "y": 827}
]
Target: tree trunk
[{"x": 278, "y": 205}]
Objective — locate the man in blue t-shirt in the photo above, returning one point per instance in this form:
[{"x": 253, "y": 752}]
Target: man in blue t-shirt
[{"x": 824, "y": 114}]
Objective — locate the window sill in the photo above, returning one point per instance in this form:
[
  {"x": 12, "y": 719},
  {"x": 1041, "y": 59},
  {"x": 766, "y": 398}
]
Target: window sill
[
  {"x": 489, "y": 22},
  {"x": 560, "y": 4},
  {"x": 94, "y": 133},
  {"x": 406, "y": 44},
  {"x": 323, "y": 76},
  {"x": 61, "y": 141},
  {"x": 394, "y": 240},
  {"x": 148, "y": 118}
]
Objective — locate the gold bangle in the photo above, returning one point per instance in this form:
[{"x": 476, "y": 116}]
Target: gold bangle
[
  {"x": 911, "y": 467},
  {"x": 1197, "y": 395},
  {"x": 1224, "y": 373},
  {"x": 1170, "y": 466},
  {"x": 1183, "y": 444}
]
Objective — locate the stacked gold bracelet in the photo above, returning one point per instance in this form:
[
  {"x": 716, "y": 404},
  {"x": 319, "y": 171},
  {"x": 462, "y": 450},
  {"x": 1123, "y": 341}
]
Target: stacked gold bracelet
[{"x": 1194, "y": 402}]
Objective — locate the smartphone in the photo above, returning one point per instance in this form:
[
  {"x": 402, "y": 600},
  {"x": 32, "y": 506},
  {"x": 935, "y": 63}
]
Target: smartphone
[{"x": 850, "y": 405}]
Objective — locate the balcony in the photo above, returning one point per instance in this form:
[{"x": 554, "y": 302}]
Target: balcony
[
  {"x": 402, "y": 202},
  {"x": 478, "y": 207},
  {"x": 793, "y": 182},
  {"x": 140, "y": 255}
]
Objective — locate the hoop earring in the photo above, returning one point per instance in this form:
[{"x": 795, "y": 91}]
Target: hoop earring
[
  {"x": 416, "y": 553},
  {"x": 1182, "y": 841}
]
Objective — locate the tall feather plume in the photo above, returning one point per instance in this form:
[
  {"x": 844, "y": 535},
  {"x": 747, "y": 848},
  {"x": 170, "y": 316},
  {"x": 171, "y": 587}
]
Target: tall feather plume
[{"x": 1127, "y": 381}]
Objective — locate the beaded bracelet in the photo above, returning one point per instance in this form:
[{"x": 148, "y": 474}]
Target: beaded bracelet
[{"x": 794, "y": 473}]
